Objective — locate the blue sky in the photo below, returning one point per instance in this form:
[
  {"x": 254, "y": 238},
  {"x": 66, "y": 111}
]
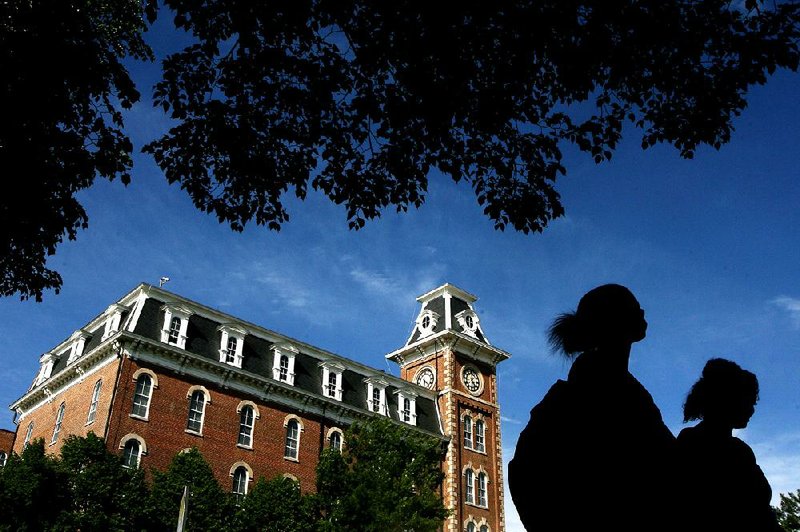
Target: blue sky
[{"x": 710, "y": 246}]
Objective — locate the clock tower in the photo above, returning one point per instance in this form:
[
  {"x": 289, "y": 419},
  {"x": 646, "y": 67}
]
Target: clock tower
[{"x": 448, "y": 352}]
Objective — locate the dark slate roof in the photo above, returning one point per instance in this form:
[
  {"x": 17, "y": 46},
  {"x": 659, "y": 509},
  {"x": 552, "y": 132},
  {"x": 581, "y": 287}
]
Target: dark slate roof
[
  {"x": 437, "y": 305},
  {"x": 203, "y": 339}
]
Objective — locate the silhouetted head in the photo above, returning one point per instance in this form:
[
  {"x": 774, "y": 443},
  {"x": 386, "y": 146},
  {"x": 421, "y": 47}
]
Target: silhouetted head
[
  {"x": 724, "y": 393},
  {"x": 606, "y": 315}
]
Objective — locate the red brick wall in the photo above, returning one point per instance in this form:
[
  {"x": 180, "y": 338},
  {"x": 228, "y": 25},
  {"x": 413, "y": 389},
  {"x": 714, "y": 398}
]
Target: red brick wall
[
  {"x": 6, "y": 441},
  {"x": 76, "y": 398},
  {"x": 165, "y": 430}
]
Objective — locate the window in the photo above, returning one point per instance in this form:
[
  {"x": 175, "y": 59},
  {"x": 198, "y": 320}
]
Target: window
[
  {"x": 479, "y": 436},
  {"x": 468, "y": 321},
  {"x": 176, "y": 323},
  {"x": 468, "y": 432},
  {"x": 483, "y": 528},
  {"x": 59, "y": 419},
  {"x": 246, "y": 417},
  {"x": 294, "y": 428},
  {"x": 335, "y": 439},
  {"x": 231, "y": 343},
  {"x": 114, "y": 317},
  {"x": 28, "y": 436},
  {"x": 197, "y": 409},
  {"x": 141, "y": 396},
  {"x": 78, "y": 340},
  {"x": 482, "y": 489},
  {"x": 426, "y": 322},
  {"x": 376, "y": 395},
  {"x": 3, "y": 458},
  {"x": 469, "y": 493},
  {"x": 174, "y": 330},
  {"x": 131, "y": 453},
  {"x": 407, "y": 406},
  {"x": 332, "y": 379},
  {"x": 240, "y": 478},
  {"x": 93, "y": 405},
  {"x": 47, "y": 361},
  {"x": 470, "y": 527},
  {"x": 283, "y": 363}
]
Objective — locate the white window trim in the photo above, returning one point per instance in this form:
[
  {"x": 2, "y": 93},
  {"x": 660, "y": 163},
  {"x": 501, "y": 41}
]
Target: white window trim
[
  {"x": 377, "y": 383},
  {"x": 207, "y": 402},
  {"x": 336, "y": 368},
  {"x": 432, "y": 319},
  {"x": 412, "y": 397},
  {"x": 300, "y": 430},
  {"x": 171, "y": 310},
  {"x": 478, "y": 502},
  {"x": 290, "y": 352},
  {"x": 28, "y": 434},
  {"x": 468, "y": 443},
  {"x": 113, "y": 320},
  {"x": 469, "y": 485},
  {"x": 59, "y": 422},
  {"x": 256, "y": 415},
  {"x": 47, "y": 362},
  {"x": 78, "y": 342},
  {"x": 248, "y": 472},
  {"x": 231, "y": 331},
  {"x": 331, "y": 432},
  {"x": 142, "y": 446},
  {"x": 91, "y": 415},
  {"x": 477, "y": 446},
  {"x": 153, "y": 386},
  {"x": 461, "y": 318}
]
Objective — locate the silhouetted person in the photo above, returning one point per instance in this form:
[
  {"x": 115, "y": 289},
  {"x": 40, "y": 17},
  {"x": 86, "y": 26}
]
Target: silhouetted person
[
  {"x": 721, "y": 485},
  {"x": 595, "y": 453}
]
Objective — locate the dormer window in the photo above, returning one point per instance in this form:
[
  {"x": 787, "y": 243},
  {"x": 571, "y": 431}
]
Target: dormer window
[
  {"x": 78, "y": 341},
  {"x": 113, "y": 320},
  {"x": 176, "y": 323},
  {"x": 283, "y": 363},
  {"x": 426, "y": 322},
  {"x": 407, "y": 406},
  {"x": 47, "y": 361},
  {"x": 231, "y": 343},
  {"x": 332, "y": 379},
  {"x": 376, "y": 395},
  {"x": 468, "y": 321}
]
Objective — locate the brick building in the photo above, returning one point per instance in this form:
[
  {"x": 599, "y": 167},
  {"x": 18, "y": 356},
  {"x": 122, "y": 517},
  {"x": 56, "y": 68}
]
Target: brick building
[{"x": 156, "y": 373}]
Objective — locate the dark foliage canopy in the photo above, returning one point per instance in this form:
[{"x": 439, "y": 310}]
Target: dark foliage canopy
[
  {"x": 362, "y": 100},
  {"x": 789, "y": 511}
]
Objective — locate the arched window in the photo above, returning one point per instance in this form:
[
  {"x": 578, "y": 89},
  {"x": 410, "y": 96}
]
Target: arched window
[
  {"x": 197, "y": 409},
  {"x": 469, "y": 486},
  {"x": 131, "y": 453},
  {"x": 230, "y": 351},
  {"x": 484, "y": 528},
  {"x": 174, "y": 329},
  {"x": 141, "y": 396},
  {"x": 480, "y": 436},
  {"x": 468, "y": 432},
  {"x": 246, "y": 418},
  {"x": 28, "y": 436},
  {"x": 240, "y": 478},
  {"x": 336, "y": 441},
  {"x": 291, "y": 449},
  {"x": 470, "y": 527},
  {"x": 59, "y": 420},
  {"x": 3, "y": 458},
  {"x": 93, "y": 405},
  {"x": 482, "y": 489}
]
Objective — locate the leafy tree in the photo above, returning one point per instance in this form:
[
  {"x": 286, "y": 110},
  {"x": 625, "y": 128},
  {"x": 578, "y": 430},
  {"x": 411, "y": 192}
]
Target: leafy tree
[
  {"x": 33, "y": 491},
  {"x": 387, "y": 478},
  {"x": 210, "y": 508},
  {"x": 61, "y": 94},
  {"x": 361, "y": 100},
  {"x": 104, "y": 496},
  {"x": 789, "y": 511},
  {"x": 276, "y": 505}
]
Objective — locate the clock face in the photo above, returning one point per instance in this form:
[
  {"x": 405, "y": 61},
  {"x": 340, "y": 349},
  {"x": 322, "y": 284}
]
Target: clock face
[
  {"x": 425, "y": 377},
  {"x": 472, "y": 380}
]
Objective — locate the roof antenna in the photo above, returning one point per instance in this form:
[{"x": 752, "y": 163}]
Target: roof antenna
[{"x": 162, "y": 281}]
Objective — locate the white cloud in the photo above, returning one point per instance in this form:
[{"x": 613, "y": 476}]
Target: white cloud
[
  {"x": 779, "y": 458},
  {"x": 790, "y": 305}
]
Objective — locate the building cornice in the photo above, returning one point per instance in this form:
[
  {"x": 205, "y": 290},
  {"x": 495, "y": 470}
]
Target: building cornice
[{"x": 448, "y": 339}]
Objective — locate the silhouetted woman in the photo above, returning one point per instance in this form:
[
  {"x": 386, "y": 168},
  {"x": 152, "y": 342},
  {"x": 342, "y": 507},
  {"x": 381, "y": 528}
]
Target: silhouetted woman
[
  {"x": 595, "y": 454},
  {"x": 722, "y": 486}
]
